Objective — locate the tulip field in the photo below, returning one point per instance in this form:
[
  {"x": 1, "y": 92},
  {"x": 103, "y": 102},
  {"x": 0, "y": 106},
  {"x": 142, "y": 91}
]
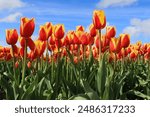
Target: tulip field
[{"x": 73, "y": 65}]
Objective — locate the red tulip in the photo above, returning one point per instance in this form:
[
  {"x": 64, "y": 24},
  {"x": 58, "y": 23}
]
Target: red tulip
[
  {"x": 11, "y": 36},
  {"x": 125, "y": 40},
  {"x": 115, "y": 45},
  {"x": 45, "y": 31},
  {"x": 27, "y": 27},
  {"x": 80, "y": 28},
  {"x": 99, "y": 19},
  {"x": 59, "y": 31},
  {"x": 110, "y": 32},
  {"x": 92, "y": 30}
]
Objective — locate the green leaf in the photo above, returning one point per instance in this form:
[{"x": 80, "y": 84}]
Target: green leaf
[
  {"x": 101, "y": 76},
  {"x": 89, "y": 91}
]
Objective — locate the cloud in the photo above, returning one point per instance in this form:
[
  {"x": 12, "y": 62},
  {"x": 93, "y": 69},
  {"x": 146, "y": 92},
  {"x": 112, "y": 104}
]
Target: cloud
[
  {"x": 115, "y": 3},
  {"x": 10, "y": 4},
  {"x": 11, "y": 18},
  {"x": 138, "y": 27}
]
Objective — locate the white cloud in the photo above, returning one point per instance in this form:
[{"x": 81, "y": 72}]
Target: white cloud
[
  {"x": 115, "y": 3},
  {"x": 138, "y": 27},
  {"x": 11, "y": 18},
  {"x": 10, "y": 4}
]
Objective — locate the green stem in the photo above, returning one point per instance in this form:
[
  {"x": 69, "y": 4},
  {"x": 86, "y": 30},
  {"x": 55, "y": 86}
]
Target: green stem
[
  {"x": 14, "y": 62},
  {"x": 47, "y": 55},
  {"x": 100, "y": 49},
  {"x": 24, "y": 63}
]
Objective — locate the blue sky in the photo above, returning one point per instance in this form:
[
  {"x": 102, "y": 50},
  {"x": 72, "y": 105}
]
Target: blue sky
[{"x": 129, "y": 16}]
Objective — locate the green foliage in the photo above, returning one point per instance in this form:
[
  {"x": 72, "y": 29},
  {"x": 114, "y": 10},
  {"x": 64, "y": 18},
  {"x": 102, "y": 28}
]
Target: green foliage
[{"x": 88, "y": 79}]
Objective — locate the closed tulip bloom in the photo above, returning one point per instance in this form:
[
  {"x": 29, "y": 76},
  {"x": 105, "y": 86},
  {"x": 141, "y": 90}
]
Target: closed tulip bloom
[
  {"x": 59, "y": 31},
  {"x": 40, "y": 47},
  {"x": 110, "y": 31},
  {"x": 27, "y": 27},
  {"x": 29, "y": 64},
  {"x": 11, "y": 36},
  {"x": 16, "y": 64},
  {"x": 45, "y": 31},
  {"x": 84, "y": 39},
  {"x": 52, "y": 39},
  {"x": 125, "y": 40},
  {"x": 133, "y": 54},
  {"x": 80, "y": 28},
  {"x": 115, "y": 45},
  {"x": 49, "y": 28},
  {"x": 92, "y": 30},
  {"x": 99, "y": 19}
]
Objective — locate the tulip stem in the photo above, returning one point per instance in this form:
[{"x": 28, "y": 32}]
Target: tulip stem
[
  {"x": 24, "y": 63},
  {"x": 47, "y": 55},
  {"x": 14, "y": 63},
  {"x": 100, "y": 51}
]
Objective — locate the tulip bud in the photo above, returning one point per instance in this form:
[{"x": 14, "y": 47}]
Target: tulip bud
[
  {"x": 115, "y": 45},
  {"x": 16, "y": 64},
  {"x": 59, "y": 31},
  {"x": 110, "y": 32},
  {"x": 11, "y": 36},
  {"x": 80, "y": 28},
  {"x": 29, "y": 64},
  {"x": 125, "y": 40},
  {"x": 92, "y": 30},
  {"x": 99, "y": 19},
  {"x": 27, "y": 27}
]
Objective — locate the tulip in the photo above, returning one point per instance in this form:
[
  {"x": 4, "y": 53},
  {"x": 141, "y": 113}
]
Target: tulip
[
  {"x": 40, "y": 47},
  {"x": 45, "y": 31},
  {"x": 27, "y": 27},
  {"x": 29, "y": 64},
  {"x": 11, "y": 36},
  {"x": 99, "y": 19},
  {"x": 52, "y": 40},
  {"x": 125, "y": 40},
  {"x": 80, "y": 28},
  {"x": 110, "y": 32},
  {"x": 115, "y": 45},
  {"x": 59, "y": 31},
  {"x": 84, "y": 39},
  {"x": 133, "y": 54},
  {"x": 92, "y": 30},
  {"x": 16, "y": 64}
]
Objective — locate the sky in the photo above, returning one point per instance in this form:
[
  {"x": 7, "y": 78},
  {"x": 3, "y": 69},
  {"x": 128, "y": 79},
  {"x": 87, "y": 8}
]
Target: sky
[{"x": 128, "y": 16}]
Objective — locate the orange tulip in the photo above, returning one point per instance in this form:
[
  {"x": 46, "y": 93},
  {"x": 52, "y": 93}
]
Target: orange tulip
[
  {"x": 115, "y": 45},
  {"x": 99, "y": 19},
  {"x": 40, "y": 47},
  {"x": 104, "y": 42},
  {"x": 110, "y": 32},
  {"x": 27, "y": 27},
  {"x": 52, "y": 39},
  {"x": 11, "y": 36},
  {"x": 84, "y": 38},
  {"x": 80, "y": 28},
  {"x": 45, "y": 31},
  {"x": 92, "y": 30},
  {"x": 133, "y": 54},
  {"x": 59, "y": 31},
  {"x": 125, "y": 40}
]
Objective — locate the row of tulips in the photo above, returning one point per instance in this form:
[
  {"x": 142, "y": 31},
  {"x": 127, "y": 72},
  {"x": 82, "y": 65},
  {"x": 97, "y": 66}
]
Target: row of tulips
[{"x": 91, "y": 65}]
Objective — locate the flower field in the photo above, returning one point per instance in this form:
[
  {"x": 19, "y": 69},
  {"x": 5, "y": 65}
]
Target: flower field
[{"x": 74, "y": 65}]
